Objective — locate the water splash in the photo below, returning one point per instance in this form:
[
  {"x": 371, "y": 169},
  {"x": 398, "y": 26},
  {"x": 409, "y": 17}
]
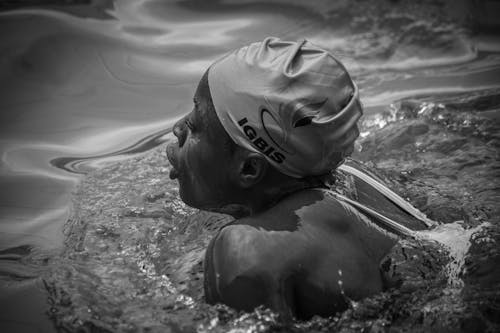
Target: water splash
[{"x": 456, "y": 238}]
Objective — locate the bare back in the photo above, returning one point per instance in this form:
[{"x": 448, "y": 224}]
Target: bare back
[{"x": 306, "y": 255}]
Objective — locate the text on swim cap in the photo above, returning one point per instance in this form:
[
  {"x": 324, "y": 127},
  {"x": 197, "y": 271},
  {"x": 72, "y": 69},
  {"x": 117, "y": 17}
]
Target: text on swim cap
[{"x": 260, "y": 143}]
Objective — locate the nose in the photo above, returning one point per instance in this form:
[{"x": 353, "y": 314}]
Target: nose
[{"x": 179, "y": 131}]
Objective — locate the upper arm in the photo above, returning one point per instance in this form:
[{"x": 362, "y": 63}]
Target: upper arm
[
  {"x": 231, "y": 270},
  {"x": 235, "y": 274}
]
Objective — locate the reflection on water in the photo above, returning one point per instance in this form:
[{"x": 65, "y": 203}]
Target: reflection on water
[
  {"x": 81, "y": 92},
  {"x": 85, "y": 164},
  {"x": 84, "y": 87}
]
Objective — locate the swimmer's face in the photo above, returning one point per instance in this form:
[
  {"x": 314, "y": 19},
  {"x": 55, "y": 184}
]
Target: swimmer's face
[{"x": 201, "y": 162}]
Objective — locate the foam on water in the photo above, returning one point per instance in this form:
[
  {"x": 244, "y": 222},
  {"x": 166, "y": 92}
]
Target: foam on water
[{"x": 456, "y": 237}]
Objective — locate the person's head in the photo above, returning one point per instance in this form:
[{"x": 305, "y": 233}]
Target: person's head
[{"x": 269, "y": 119}]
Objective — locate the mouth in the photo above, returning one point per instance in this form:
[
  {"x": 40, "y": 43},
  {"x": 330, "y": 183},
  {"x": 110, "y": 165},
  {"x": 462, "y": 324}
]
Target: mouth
[{"x": 174, "y": 174}]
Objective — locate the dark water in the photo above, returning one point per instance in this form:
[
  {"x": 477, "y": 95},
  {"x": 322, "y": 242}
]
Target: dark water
[{"x": 87, "y": 205}]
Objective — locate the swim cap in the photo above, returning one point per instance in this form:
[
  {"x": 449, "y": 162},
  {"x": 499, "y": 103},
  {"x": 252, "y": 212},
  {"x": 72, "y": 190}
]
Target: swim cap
[{"x": 293, "y": 102}]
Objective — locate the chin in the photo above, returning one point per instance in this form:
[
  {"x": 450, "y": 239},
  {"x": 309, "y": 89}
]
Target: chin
[
  {"x": 187, "y": 198},
  {"x": 192, "y": 197}
]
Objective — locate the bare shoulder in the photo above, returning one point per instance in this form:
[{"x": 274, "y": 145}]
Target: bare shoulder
[
  {"x": 236, "y": 243},
  {"x": 233, "y": 252},
  {"x": 233, "y": 268}
]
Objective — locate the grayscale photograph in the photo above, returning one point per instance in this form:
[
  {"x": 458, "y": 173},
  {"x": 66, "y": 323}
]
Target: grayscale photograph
[{"x": 246, "y": 166}]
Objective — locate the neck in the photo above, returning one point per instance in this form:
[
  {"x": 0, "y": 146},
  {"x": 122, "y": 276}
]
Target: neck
[{"x": 274, "y": 188}]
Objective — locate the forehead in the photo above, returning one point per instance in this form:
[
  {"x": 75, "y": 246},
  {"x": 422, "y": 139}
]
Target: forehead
[{"x": 204, "y": 111}]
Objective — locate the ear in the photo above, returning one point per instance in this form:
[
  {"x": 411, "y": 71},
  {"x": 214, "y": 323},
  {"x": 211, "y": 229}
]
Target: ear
[{"x": 251, "y": 169}]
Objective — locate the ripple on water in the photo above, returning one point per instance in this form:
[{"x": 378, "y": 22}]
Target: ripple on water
[{"x": 84, "y": 88}]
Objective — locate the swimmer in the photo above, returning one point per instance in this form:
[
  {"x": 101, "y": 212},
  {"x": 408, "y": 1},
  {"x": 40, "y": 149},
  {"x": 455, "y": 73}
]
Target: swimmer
[{"x": 270, "y": 123}]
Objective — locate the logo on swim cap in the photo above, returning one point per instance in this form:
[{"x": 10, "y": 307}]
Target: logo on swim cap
[{"x": 260, "y": 142}]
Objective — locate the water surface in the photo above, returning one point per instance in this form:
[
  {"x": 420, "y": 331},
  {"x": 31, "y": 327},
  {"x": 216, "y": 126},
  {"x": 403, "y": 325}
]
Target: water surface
[{"x": 82, "y": 92}]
